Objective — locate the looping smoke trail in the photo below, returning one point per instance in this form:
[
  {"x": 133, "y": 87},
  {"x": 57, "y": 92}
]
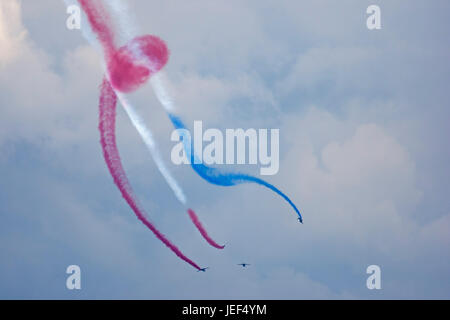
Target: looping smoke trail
[
  {"x": 127, "y": 68},
  {"x": 216, "y": 176},
  {"x": 212, "y": 175},
  {"x": 107, "y": 120}
]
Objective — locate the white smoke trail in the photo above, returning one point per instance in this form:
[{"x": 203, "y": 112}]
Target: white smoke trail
[
  {"x": 128, "y": 30},
  {"x": 134, "y": 116},
  {"x": 147, "y": 137},
  {"x": 160, "y": 84}
]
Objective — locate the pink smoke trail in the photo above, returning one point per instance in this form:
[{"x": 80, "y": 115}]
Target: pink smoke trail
[
  {"x": 126, "y": 72},
  {"x": 107, "y": 122},
  {"x": 202, "y": 230},
  {"x": 98, "y": 19}
]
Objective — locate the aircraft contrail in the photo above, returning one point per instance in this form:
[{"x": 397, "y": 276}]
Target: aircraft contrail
[
  {"x": 126, "y": 69},
  {"x": 160, "y": 85},
  {"x": 123, "y": 74}
]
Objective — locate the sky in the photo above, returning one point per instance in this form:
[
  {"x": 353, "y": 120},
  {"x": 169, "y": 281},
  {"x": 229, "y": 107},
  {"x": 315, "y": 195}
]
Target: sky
[{"x": 363, "y": 119}]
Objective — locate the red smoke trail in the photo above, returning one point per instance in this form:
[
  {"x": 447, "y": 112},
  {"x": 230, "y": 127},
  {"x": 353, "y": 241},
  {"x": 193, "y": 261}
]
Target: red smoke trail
[
  {"x": 126, "y": 73},
  {"x": 107, "y": 123},
  {"x": 98, "y": 19},
  {"x": 202, "y": 230}
]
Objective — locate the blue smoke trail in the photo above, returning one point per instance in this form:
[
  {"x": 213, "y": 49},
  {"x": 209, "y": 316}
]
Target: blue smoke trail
[
  {"x": 159, "y": 83},
  {"x": 216, "y": 176}
]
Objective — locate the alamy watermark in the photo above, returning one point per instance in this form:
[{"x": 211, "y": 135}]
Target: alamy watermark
[
  {"x": 74, "y": 280},
  {"x": 374, "y": 280},
  {"x": 74, "y": 19},
  {"x": 237, "y": 146},
  {"x": 373, "y": 22}
]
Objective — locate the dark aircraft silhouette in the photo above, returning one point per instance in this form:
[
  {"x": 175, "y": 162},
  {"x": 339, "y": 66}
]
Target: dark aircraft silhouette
[
  {"x": 243, "y": 264},
  {"x": 202, "y": 269},
  {"x": 300, "y": 220}
]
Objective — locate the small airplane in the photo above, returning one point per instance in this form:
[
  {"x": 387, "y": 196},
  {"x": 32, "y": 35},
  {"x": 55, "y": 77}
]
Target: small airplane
[
  {"x": 202, "y": 269},
  {"x": 243, "y": 264},
  {"x": 300, "y": 220}
]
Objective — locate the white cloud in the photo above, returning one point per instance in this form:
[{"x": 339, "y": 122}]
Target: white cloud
[
  {"x": 352, "y": 169},
  {"x": 367, "y": 178},
  {"x": 11, "y": 31}
]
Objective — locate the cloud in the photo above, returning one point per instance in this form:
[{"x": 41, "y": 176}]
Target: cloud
[
  {"x": 362, "y": 126},
  {"x": 11, "y": 31}
]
